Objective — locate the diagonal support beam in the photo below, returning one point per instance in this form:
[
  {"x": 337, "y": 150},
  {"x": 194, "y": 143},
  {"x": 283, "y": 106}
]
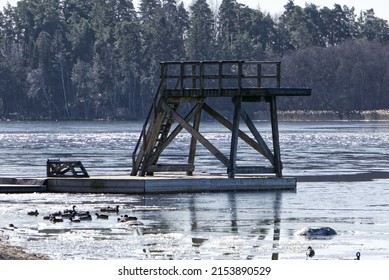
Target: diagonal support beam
[
  {"x": 193, "y": 141},
  {"x": 260, "y": 147},
  {"x": 208, "y": 145},
  {"x": 173, "y": 134},
  {"x": 266, "y": 152}
]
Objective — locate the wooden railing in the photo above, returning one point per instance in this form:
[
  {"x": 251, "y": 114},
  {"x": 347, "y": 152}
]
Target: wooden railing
[{"x": 220, "y": 75}]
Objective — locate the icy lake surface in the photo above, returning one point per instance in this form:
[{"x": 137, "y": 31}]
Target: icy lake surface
[{"x": 233, "y": 225}]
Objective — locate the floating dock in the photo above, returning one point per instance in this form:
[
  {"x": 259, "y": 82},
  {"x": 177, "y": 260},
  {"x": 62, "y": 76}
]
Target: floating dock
[{"x": 149, "y": 184}]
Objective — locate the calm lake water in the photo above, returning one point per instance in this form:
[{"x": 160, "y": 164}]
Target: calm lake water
[{"x": 326, "y": 156}]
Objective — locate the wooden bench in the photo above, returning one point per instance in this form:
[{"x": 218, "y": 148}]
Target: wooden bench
[{"x": 58, "y": 168}]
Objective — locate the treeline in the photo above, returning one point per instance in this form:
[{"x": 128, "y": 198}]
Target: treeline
[{"x": 71, "y": 59}]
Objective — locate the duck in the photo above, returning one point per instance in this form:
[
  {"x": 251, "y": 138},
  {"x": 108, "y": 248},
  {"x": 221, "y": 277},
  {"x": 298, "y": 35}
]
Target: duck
[
  {"x": 55, "y": 214},
  {"x": 310, "y": 253},
  {"x": 110, "y": 209},
  {"x": 85, "y": 217},
  {"x": 127, "y": 218},
  {"x": 12, "y": 227},
  {"x": 102, "y": 216},
  {"x": 68, "y": 211},
  {"x": 55, "y": 219},
  {"x": 59, "y": 213},
  {"x": 358, "y": 256},
  {"x": 68, "y": 215},
  {"x": 33, "y": 213},
  {"x": 83, "y": 213}
]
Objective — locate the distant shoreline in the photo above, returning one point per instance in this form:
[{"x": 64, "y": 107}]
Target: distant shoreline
[
  {"x": 290, "y": 115},
  {"x": 329, "y": 115}
]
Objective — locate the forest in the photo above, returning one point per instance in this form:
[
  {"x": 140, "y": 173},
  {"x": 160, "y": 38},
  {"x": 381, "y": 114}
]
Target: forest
[{"x": 100, "y": 59}]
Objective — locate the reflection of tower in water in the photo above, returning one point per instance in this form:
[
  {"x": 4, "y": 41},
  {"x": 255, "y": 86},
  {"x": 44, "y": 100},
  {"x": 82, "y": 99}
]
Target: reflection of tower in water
[
  {"x": 277, "y": 224},
  {"x": 233, "y": 207}
]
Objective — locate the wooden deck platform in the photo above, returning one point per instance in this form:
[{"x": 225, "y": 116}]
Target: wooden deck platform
[
  {"x": 167, "y": 184},
  {"x": 153, "y": 184}
]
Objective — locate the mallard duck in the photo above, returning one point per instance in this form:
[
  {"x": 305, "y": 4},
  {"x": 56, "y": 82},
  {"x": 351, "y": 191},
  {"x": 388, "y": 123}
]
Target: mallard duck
[{"x": 310, "y": 253}]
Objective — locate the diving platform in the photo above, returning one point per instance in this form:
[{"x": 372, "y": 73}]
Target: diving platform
[{"x": 183, "y": 97}]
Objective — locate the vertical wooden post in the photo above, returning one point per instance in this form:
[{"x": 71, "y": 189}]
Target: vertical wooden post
[
  {"x": 201, "y": 77},
  {"x": 278, "y": 74},
  {"x": 220, "y": 78},
  {"x": 259, "y": 75},
  {"x": 235, "y": 137},
  {"x": 193, "y": 75},
  {"x": 182, "y": 80},
  {"x": 276, "y": 138}
]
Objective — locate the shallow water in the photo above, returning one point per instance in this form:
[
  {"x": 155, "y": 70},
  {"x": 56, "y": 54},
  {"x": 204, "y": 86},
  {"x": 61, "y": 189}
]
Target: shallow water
[{"x": 234, "y": 225}]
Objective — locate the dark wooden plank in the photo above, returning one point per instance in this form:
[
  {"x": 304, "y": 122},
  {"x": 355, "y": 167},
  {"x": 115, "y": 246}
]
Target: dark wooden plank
[
  {"x": 254, "y": 170},
  {"x": 170, "y": 168}
]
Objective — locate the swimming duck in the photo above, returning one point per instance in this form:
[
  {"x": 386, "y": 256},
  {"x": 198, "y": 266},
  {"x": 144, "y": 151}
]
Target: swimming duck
[
  {"x": 102, "y": 216},
  {"x": 59, "y": 213},
  {"x": 55, "y": 219},
  {"x": 33, "y": 213},
  {"x": 126, "y": 218},
  {"x": 82, "y": 213},
  {"x": 85, "y": 217},
  {"x": 110, "y": 209},
  {"x": 68, "y": 215},
  {"x": 68, "y": 211},
  {"x": 11, "y": 227},
  {"x": 310, "y": 253}
]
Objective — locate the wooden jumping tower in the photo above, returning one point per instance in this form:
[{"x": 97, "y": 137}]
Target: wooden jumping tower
[{"x": 194, "y": 82}]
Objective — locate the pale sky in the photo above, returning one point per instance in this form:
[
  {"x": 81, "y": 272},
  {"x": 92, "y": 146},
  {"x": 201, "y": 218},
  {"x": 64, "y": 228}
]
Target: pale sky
[{"x": 275, "y": 7}]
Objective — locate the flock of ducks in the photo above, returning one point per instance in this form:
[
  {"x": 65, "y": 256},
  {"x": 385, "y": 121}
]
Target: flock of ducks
[{"x": 76, "y": 216}]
